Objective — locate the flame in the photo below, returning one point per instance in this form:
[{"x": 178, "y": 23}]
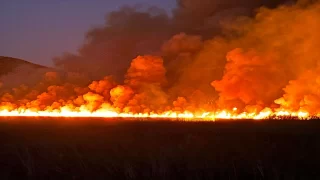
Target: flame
[
  {"x": 261, "y": 69},
  {"x": 66, "y": 111}
]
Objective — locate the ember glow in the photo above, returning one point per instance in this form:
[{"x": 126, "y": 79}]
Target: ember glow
[{"x": 267, "y": 66}]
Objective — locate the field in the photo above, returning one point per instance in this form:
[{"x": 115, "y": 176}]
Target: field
[{"x": 125, "y": 149}]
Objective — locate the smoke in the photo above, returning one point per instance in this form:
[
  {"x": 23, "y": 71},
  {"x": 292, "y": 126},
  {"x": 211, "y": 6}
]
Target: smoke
[
  {"x": 120, "y": 96},
  {"x": 139, "y": 30},
  {"x": 302, "y": 94},
  {"x": 278, "y": 50},
  {"x": 250, "y": 79},
  {"x": 127, "y": 33},
  {"x": 146, "y": 76},
  {"x": 17, "y": 76},
  {"x": 202, "y": 17},
  {"x": 146, "y": 70},
  {"x": 103, "y": 86},
  {"x": 209, "y": 55}
]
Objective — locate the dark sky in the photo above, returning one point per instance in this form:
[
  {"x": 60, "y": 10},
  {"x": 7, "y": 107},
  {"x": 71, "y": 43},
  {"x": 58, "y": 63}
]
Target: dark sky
[{"x": 37, "y": 30}]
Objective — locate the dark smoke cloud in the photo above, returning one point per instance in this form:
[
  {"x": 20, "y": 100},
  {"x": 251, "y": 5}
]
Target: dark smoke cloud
[
  {"x": 109, "y": 49},
  {"x": 202, "y": 17},
  {"x": 138, "y": 30},
  {"x": 268, "y": 58}
]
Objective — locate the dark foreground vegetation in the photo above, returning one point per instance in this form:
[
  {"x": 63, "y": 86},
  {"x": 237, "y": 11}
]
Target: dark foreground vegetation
[{"x": 117, "y": 149}]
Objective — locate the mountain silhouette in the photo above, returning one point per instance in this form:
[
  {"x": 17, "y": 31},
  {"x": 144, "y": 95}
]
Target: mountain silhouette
[
  {"x": 15, "y": 72},
  {"x": 9, "y": 64}
]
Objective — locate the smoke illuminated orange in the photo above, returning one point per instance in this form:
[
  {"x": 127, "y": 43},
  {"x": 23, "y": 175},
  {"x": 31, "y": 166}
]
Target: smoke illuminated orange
[
  {"x": 141, "y": 96},
  {"x": 266, "y": 66}
]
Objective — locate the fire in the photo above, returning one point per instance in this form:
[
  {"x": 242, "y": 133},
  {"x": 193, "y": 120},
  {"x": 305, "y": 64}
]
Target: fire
[
  {"x": 143, "y": 95},
  {"x": 260, "y": 67},
  {"x": 189, "y": 116}
]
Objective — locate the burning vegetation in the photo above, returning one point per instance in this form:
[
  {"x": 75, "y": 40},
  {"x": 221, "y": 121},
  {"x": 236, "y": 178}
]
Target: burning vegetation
[{"x": 209, "y": 60}]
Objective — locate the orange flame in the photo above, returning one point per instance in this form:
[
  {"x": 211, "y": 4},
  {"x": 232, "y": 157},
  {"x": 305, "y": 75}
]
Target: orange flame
[
  {"x": 270, "y": 70},
  {"x": 66, "y": 111}
]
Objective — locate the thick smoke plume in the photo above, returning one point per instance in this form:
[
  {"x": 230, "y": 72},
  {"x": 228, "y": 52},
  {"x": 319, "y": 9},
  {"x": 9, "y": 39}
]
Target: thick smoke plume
[
  {"x": 234, "y": 55},
  {"x": 139, "y": 30}
]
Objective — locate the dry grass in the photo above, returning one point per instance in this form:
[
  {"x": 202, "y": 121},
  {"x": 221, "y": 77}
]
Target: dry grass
[{"x": 120, "y": 149}]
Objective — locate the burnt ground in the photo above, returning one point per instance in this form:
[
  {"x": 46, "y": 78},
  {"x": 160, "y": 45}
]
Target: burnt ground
[{"x": 116, "y": 149}]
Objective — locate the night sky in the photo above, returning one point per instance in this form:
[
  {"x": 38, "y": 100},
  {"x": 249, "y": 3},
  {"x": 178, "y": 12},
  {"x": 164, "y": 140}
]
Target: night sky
[{"x": 38, "y": 30}]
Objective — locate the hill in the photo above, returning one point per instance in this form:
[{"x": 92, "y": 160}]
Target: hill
[
  {"x": 9, "y": 64},
  {"x": 14, "y": 72}
]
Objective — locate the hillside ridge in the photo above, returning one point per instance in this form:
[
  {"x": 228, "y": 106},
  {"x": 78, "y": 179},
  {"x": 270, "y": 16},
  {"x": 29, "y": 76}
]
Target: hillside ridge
[{"x": 8, "y": 64}]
